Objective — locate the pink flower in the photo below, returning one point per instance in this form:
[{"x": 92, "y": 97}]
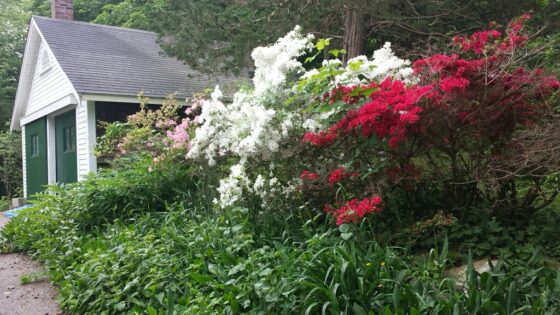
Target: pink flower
[{"x": 179, "y": 136}]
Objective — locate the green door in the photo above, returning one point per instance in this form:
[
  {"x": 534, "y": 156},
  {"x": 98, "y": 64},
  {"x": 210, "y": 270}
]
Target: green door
[
  {"x": 65, "y": 141},
  {"x": 36, "y": 156}
]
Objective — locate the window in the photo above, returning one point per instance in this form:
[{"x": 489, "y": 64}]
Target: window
[
  {"x": 69, "y": 139},
  {"x": 45, "y": 61},
  {"x": 34, "y": 145}
]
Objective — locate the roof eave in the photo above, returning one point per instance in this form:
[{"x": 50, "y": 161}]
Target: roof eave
[{"x": 26, "y": 73}]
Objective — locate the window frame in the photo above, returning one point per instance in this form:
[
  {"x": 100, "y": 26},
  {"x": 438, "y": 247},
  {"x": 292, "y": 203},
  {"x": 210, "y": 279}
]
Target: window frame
[
  {"x": 69, "y": 139},
  {"x": 45, "y": 60},
  {"x": 34, "y": 145}
]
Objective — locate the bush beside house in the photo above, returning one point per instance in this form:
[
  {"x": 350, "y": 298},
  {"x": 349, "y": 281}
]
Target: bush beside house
[{"x": 10, "y": 168}]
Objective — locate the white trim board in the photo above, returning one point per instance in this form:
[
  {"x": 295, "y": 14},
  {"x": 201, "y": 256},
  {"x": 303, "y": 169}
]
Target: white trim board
[
  {"x": 51, "y": 150},
  {"x": 68, "y": 100},
  {"x": 118, "y": 98},
  {"x": 24, "y": 162}
]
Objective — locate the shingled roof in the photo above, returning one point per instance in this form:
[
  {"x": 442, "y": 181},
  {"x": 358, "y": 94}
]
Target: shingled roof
[{"x": 101, "y": 59}]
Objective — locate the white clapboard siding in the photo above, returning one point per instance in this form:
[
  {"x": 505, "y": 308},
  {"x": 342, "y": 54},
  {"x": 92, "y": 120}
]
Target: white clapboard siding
[
  {"x": 47, "y": 86},
  {"x": 85, "y": 138}
]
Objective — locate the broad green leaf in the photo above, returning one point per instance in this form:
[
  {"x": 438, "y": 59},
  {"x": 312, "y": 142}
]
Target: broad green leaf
[
  {"x": 344, "y": 228},
  {"x": 151, "y": 311},
  {"x": 359, "y": 310},
  {"x": 200, "y": 278},
  {"x": 346, "y": 236}
]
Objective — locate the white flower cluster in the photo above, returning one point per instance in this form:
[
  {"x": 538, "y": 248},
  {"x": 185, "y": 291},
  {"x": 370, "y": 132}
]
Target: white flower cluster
[
  {"x": 246, "y": 128},
  {"x": 383, "y": 64},
  {"x": 265, "y": 188},
  {"x": 243, "y": 128},
  {"x": 232, "y": 187},
  {"x": 274, "y": 63}
]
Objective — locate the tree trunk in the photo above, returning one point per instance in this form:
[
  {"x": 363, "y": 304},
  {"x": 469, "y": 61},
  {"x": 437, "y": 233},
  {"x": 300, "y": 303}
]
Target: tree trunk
[{"x": 354, "y": 32}]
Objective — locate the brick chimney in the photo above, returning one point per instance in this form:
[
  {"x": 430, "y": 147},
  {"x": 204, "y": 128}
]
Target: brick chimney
[{"x": 62, "y": 10}]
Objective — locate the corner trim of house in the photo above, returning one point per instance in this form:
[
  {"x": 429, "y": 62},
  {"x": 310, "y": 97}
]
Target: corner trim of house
[
  {"x": 51, "y": 151},
  {"x": 86, "y": 138},
  {"x": 24, "y": 162}
]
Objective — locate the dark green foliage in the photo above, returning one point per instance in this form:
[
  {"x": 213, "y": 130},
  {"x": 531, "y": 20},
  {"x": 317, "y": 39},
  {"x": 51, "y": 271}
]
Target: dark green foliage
[
  {"x": 84, "y": 10},
  {"x": 184, "y": 261},
  {"x": 124, "y": 193},
  {"x": 130, "y": 13},
  {"x": 196, "y": 34},
  {"x": 10, "y": 164},
  {"x": 119, "y": 194},
  {"x": 13, "y": 25},
  {"x": 223, "y": 41},
  {"x": 126, "y": 13},
  {"x": 133, "y": 241},
  {"x": 88, "y": 10}
]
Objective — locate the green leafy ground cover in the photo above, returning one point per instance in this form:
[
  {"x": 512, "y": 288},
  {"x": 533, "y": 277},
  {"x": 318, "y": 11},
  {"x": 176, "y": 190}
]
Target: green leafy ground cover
[{"x": 155, "y": 253}]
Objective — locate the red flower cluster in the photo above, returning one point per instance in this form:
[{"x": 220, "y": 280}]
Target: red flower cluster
[
  {"x": 340, "y": 174},
  {"x": 321, "y": 138},
  {"x": 451, "y": 73},
  {"x": 482, "y": 93},
  {"x": 515, "y": 38},
  {"x": 355, "y": 209},
  {"x": 480, "y": 42},
  {"x": 310, "y": 176},
  {"x": 390, "y": 112},
  {"x": 477, "y": 42}
]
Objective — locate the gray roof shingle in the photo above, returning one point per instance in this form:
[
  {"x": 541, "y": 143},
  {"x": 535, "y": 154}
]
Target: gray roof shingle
[{"x": 103, "y": 59}]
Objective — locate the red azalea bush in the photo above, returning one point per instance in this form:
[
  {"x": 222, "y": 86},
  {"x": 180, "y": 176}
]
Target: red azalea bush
[{"x": 462, "y": 124}]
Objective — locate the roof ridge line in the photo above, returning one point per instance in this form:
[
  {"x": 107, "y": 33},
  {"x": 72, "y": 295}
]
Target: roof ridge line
[{"x": 92, "y": 24}]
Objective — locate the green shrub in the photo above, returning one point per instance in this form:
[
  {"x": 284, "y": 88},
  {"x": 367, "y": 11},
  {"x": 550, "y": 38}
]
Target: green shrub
[
  {"x": 10, "y": 164},
  {"x": 184, "y": 261},
  {"x": 121, "y": 194}
]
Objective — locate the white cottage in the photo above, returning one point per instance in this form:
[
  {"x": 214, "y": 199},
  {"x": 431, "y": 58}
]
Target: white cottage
[{"x": 75, "y": 74}]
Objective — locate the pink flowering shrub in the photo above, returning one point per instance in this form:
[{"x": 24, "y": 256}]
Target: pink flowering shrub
[{"x": 155, "y": 134}]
